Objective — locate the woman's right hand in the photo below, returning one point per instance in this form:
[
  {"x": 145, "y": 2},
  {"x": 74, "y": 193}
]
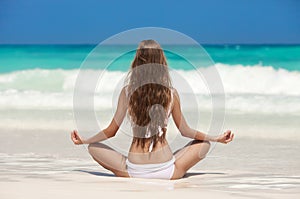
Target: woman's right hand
[
  {"x": 76, "y": 138},
  {"x": 225, "y": 137}
]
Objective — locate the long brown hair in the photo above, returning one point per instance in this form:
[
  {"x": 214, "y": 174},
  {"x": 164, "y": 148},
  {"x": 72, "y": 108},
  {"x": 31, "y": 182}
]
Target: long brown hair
[{"x": 149, "y": 92}]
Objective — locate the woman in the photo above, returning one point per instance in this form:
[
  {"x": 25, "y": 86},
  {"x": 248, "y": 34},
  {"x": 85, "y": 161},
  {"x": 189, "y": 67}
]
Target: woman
[{"x": 149, "y": 100}]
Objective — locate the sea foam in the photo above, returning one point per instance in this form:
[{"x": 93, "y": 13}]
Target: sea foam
[{"x": 247, "y": 88}]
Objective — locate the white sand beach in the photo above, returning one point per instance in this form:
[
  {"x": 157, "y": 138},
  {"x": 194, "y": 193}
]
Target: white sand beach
[
  {"x": 46, "y": 164},
  {"x": 98, "y": 184}
]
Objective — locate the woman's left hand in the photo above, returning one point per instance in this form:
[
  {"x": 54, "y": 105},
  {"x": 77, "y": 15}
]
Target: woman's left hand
[
  {"x": 225, "y": 137},
  {"x": 76, "y": 138}
]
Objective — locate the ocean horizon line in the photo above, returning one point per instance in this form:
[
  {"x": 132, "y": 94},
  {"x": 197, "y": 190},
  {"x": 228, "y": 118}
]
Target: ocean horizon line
[{"x": 203, "y": 44}]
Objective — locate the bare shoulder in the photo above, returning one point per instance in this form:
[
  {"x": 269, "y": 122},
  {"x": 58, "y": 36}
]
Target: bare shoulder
[
  {"x": 123, "y": 99},
  {"x": 175, "y": 100},
  {"x": 124, "y": 92},
  {"x": 175, "y": 94}
]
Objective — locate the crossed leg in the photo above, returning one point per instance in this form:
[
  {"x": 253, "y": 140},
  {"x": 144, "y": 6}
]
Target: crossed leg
[
  {"x": 114, "y": 161},
  {"x": 188, "y": 156},
  {"x": 109, "y": 159}
]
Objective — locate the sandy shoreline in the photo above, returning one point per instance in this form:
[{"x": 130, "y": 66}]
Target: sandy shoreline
[
  {"x": 89, "y": 183},
  {"x": 43, "y": 176},
  {"x": 48, "y": 165}
]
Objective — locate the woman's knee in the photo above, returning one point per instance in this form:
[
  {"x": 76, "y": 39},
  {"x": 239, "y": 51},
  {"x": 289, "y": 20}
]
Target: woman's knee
[
  {"x": 93, "y": 146},
  {"x": 90, "y": 148},
  {"x": 202, "y": 147},
  {"x": 207, "y": 143}
]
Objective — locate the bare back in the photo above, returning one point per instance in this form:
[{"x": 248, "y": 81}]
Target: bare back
[{"x": 160, "y": 153}]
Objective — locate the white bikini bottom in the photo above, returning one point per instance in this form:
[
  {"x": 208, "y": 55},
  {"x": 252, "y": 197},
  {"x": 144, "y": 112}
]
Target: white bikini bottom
[{"x": 163, "y": 170}]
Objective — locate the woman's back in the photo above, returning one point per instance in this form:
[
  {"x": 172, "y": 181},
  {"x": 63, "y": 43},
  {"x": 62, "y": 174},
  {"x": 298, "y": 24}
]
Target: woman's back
[{"x": 146, "y": 153}]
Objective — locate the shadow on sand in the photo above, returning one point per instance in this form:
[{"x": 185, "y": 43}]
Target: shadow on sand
[
  {"x": 96, "y": 173},
  {"x": 187, "y": 175}
]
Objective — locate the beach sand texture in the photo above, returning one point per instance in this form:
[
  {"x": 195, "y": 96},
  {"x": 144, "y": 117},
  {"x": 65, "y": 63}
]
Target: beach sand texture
[{"x": 245, "y": 168}]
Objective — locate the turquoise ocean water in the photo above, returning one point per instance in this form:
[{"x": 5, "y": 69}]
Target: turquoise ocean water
[
  {"x": 260, "y": 82},
  {"x": 24, "y": 57}
]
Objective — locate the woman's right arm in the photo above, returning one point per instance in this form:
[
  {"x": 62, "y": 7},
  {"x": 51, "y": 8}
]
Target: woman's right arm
[
  {"x": 112, "y": 128},
  {"x": 186, "y": 131}
]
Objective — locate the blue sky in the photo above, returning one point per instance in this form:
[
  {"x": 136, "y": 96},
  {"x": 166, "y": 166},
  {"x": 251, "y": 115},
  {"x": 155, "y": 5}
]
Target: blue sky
[{"x": 91, "y": 21}]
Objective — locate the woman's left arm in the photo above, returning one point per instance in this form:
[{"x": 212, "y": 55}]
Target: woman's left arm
[{"x": 112, "y": 128}]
